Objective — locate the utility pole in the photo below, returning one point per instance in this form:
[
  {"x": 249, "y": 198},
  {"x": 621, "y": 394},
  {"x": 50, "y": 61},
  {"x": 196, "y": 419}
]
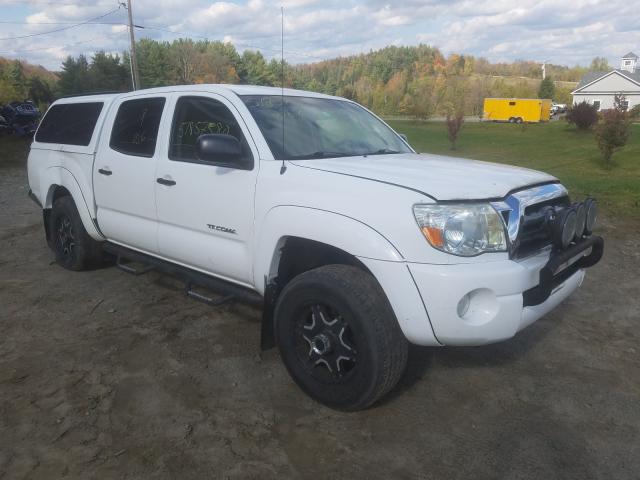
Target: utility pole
[
  {"x": 544, "y": 69},
  {"x": 135, "y": 76}
]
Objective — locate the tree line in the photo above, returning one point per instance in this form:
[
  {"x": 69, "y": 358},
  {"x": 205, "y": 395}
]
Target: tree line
[
  {"x": 20, "y": 81},
  {"x": 418, "y": 81}
]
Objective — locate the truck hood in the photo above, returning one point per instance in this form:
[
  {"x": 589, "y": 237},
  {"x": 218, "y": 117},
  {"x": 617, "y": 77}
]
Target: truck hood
[{"x": 438, "y": 176}]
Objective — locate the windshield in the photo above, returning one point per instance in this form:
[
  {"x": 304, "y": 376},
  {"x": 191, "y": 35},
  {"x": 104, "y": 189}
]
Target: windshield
[{"x": 320, "y": 128}]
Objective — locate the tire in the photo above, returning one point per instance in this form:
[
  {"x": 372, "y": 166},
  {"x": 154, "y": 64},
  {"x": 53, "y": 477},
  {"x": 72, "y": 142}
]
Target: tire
[
  {"x": 512, "y": 120},
  {"x": 518, "y": 120},
  {"x": 74, "y": 249},
  {"x": 339, "y": 338}
]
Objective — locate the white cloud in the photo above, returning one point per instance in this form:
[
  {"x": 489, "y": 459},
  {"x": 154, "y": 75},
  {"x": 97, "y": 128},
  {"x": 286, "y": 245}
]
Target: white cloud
[{"x": 562, "y": 31}]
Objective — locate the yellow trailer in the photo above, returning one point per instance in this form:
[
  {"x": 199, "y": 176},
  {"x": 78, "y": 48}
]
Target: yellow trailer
[{"x": 517, "y": 110}]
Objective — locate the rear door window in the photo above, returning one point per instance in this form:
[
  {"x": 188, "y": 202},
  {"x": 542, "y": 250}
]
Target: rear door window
[
  {"x": 135, "y": 129},
  {"x": 69, "y": 123}
]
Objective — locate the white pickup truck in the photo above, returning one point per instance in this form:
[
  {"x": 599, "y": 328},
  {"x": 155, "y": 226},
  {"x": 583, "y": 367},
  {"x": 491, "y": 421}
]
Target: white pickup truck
[{"x": 312, "y": 206}]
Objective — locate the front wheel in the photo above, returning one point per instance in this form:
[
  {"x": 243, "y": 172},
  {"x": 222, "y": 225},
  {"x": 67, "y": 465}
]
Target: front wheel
[{"x": 339, "y": 338}]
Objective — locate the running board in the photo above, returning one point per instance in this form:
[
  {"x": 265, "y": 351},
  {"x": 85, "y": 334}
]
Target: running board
[
  {"x": 191, "y": 293},
  {"x": 133, "y": 271},
  {"x": 229, "y": 291}
]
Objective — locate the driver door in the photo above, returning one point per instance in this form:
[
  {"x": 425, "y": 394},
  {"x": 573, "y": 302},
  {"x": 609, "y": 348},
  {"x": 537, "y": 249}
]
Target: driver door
[{"x": 205, "y": 212}]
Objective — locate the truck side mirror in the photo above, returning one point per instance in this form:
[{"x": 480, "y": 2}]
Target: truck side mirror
[
  {"x": 404, "y": 137},
  {"x": 223, "y": 151}
]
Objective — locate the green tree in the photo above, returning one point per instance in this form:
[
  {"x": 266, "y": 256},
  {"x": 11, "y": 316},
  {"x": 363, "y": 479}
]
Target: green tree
[
  {"x": 74, "y": 77},
  {"x": 108, "y": 73},
  {"x": 40, "y": 92},
  {"x": 14, "y": 73},
  {"x": 184, "y": 57},
  {"x": 563, "y": 95},
  {"x": 254, "y": 69},
  {"x": 8, "y": 93},
  {"x": 154, "y": 63},
  {"x": 218, "y": 63},
  {"x": 547, "y": 89},
  {"x": 599, "y": 64},
  {"x": 613, "y": 130}
]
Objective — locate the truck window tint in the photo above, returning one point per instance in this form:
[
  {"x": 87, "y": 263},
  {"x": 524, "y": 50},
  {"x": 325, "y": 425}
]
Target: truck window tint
[
  {"x": 195, "y": 116},
  {"x": 69, "y": 123},
  {"x": 135, "y": 129}
]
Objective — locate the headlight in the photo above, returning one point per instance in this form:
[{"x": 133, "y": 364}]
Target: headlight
[{"x": 462, "y": 229}]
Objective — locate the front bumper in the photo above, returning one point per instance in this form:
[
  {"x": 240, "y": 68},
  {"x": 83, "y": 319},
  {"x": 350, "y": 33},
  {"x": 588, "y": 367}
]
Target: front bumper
[{"x": 504, "y": 296}]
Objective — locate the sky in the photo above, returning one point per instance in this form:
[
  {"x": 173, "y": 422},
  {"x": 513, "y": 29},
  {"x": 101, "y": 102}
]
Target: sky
[{"x": 557, "y": 31}]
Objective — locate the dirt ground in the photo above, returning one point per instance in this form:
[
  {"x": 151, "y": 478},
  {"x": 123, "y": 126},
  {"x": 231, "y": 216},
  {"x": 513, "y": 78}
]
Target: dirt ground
[{"x": 107, "y": 375}]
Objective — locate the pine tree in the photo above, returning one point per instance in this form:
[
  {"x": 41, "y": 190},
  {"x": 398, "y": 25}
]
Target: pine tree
[{"x": 547, "y": 88}]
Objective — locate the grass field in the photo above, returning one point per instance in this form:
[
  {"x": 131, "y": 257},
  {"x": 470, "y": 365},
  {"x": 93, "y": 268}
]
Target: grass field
[{"x": 556, "y": 148}]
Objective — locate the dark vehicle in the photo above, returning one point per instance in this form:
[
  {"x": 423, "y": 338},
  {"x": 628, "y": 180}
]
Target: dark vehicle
[
  {"x": 4, "y": 126},
  {"x": 21, "y": 118}
]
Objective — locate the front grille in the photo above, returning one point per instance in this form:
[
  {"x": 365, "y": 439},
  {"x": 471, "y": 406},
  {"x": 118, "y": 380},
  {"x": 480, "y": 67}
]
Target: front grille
[
  {"x": 534, "y": 232},
  {"x": 525, "y": 213}
]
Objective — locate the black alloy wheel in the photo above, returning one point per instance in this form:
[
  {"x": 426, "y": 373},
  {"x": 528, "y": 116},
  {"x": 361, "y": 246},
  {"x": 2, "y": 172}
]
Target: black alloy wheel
[
  {"x": 65, "y": 240},
  {"x": 339, "y": 338},
  {"x": 325, "y": 344}
]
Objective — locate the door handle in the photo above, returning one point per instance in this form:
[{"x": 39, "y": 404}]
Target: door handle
[
  {"x": 164, "y": 181},
  {"x": 105, "y": 171}
]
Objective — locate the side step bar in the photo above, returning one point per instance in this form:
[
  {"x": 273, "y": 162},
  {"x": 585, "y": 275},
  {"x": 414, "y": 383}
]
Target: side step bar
[
  {"x": 133, "y": 271},
  {"x": 203, "y": 298},
  {"x": 229, "y": 291}
]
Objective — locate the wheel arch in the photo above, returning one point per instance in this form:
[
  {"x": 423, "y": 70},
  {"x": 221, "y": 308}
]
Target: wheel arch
[
  {"x": 343, "y": 237},
  {"x": 59, "y": 182},
  {"x": 295, "y": 239}
]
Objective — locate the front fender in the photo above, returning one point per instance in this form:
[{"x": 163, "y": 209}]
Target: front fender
[
  {"x": 340, "y": 231},
  {"x": 61, "y": 177},
  {"x": 376, "y": 252}
]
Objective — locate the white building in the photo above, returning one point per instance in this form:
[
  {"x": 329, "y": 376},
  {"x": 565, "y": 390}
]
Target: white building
[{"x": 600, "y": 88}]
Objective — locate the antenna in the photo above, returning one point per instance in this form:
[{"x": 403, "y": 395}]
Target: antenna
[{"x": 283, "y": 168}]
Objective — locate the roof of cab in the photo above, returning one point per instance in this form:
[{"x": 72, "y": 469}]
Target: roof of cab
[{"x": 204, "y": 87}]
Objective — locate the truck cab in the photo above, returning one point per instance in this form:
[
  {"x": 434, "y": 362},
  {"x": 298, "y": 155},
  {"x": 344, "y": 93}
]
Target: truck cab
[{"x": 354, "y": 244}]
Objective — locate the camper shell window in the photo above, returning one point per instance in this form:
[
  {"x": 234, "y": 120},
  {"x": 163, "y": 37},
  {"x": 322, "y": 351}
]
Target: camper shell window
[{"x": 69, "y": 123}]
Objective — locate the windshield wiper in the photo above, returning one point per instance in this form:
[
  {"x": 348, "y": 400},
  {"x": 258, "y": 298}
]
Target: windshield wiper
[
  {"x": 382, "y": 151},
  {"x": 320, "y": 154}
]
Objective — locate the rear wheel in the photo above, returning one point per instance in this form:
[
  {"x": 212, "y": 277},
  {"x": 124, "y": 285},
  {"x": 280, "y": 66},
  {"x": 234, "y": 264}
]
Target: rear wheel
[
  {"x": 518, "y": 120},
  {"x": 339, "y": 338},
  {"x": 73, "y": 247}
]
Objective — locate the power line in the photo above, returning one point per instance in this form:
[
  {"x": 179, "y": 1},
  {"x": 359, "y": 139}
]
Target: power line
[
  {"x": 11, "y": 22},
  {"x": 47, "y": 2},
  {"x": 42, "y": 49},
  {"x": 63, "y": 28}
]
